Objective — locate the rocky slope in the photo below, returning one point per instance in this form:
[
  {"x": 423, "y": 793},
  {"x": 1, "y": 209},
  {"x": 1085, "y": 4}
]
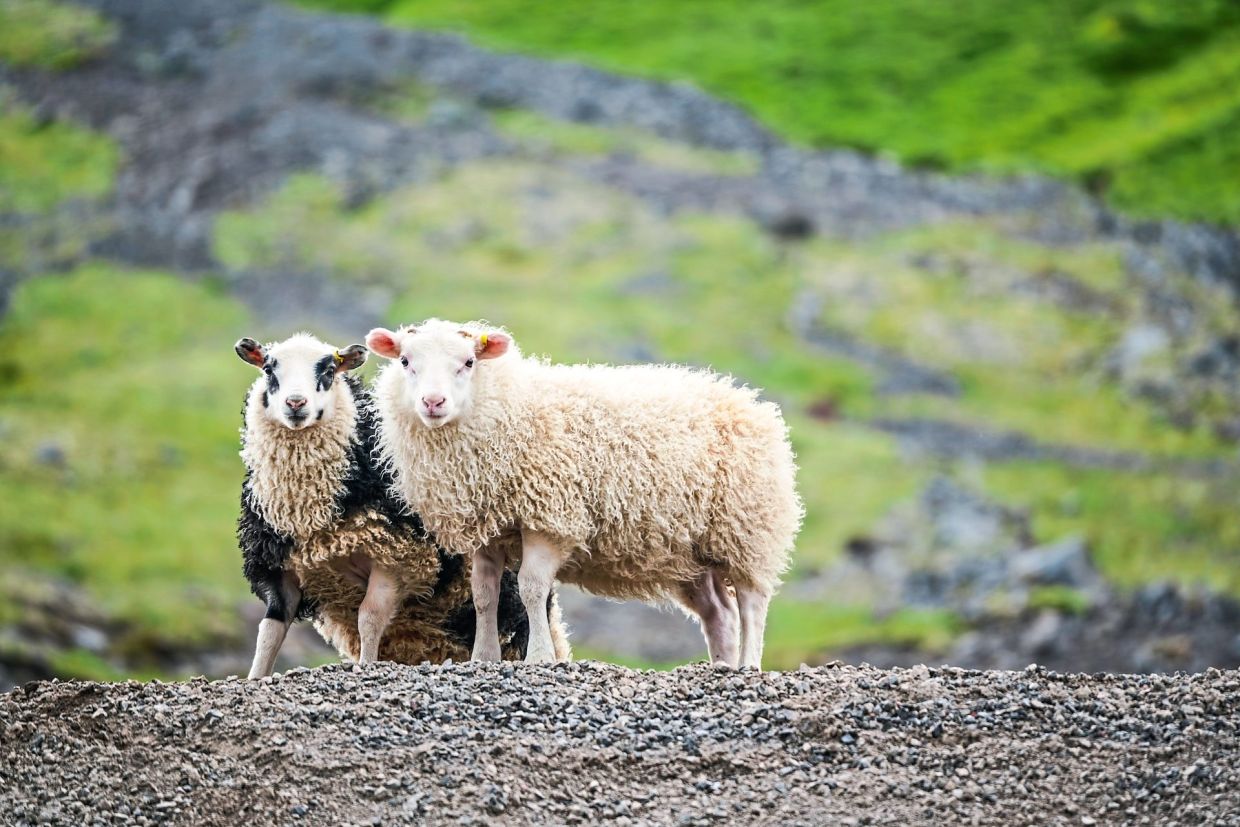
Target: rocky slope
[
  {"x": 1011, "y": 339},
  {"x": 586, "y": 743}
]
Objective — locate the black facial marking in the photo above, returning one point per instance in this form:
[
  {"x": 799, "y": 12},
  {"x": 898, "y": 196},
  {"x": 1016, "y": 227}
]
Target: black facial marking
[
  {"x": 264, "y": 399},
  {"x": 325, "y": 372},
  {"x": 319, "y": 415},
  {"x": 273, "y": 383}
]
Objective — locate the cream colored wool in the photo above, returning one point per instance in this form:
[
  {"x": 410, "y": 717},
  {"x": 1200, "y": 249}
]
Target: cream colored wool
[
  {"x": 651, "y": 473},
  {"x": 295, "y": 479},
  {"x": 325, "y": 561},
  {"x": 324, "y": 565},
  {"x": 296, "y": 476}
]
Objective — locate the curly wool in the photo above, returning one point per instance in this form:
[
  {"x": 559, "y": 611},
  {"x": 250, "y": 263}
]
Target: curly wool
[
  {"x": 297, "y": 477},
  {"x": 652, "y": 473},
  {"x": 313, "y": 503},
  {"x": 423, "y": 627}
]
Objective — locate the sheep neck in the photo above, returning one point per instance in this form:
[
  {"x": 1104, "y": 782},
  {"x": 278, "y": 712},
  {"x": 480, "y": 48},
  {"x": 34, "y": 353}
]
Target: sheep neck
[{"x": 297, "y": 477}]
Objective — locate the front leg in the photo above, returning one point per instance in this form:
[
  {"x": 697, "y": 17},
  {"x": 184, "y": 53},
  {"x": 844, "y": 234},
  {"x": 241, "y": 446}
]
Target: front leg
[
  {"x": 541, "y": 558},
  {"x": 282, "y": 593},
  {"x": 375, "y": 613},
  {"x": 484, "y": 581}
]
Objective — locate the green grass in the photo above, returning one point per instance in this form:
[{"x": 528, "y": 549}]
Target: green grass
[
  {"x": 143, "y": 407},
  {"x": 51, "y": 34},
  {"x": 1141, "y": 527},
  {"x": 568, "y": 138},
  {"x": 972, "y": 300},
  {"x": 44, "y": 164},
  {"x": 1135, "y": 97},
  {"x": 408, "y": 101},
  {"x": 1063, "y": 599},
  {"x": 799, "y": 632}
]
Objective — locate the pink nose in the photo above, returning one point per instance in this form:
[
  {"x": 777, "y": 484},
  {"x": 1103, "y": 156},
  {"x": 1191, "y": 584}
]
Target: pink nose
[
  {"x": 295, "y": 403},
  {"x": 433, "y": 402}
]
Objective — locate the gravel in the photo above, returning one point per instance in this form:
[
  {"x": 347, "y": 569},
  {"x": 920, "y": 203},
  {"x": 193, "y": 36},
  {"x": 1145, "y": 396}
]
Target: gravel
[{"x": 586, "y": 743}]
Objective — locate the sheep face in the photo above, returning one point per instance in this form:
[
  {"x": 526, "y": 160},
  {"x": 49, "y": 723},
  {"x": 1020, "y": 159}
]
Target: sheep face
[
  {"x": 300, "y": 373},
  {"x": 439, "y": 360}
]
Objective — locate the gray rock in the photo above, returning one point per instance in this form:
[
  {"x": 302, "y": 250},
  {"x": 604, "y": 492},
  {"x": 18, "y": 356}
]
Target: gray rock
[{"x": 1066, "y": 562}]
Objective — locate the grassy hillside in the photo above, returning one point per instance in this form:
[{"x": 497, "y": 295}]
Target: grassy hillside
[
  {"x": 1138, "y": 99},
  {"x": 119, "y": 393},
  {"x": 584, "y": 273},
  {"x": 119, "y": 460}
]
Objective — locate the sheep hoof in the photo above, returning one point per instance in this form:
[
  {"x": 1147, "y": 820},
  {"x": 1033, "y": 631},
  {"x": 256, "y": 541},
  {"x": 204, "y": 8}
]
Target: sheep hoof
[{"x": 539, "y": 657}]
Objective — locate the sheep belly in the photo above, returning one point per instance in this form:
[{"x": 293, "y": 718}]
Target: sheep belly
[
  {"x": 695, "y": 473},
  {"x": 327, "y": 565}
]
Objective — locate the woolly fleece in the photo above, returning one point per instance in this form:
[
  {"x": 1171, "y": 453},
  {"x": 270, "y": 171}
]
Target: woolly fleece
[
  {"x": 650, "y": 473},
  {"x": 296, "y": 483}
]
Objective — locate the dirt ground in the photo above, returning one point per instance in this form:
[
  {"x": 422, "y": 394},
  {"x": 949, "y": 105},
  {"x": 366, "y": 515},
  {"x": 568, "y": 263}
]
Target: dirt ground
[{"x": 586, "y": 743}]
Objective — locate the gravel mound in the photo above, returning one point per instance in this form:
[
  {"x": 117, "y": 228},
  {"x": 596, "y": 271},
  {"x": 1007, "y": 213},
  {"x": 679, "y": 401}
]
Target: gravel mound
[{"x": 584, "y": 743}]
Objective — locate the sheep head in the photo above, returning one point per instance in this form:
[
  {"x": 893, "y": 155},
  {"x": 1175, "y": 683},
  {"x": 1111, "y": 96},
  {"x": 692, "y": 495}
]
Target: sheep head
[
  {"x": 300, "y": 376},
  {"x": 438, "y": 359}
]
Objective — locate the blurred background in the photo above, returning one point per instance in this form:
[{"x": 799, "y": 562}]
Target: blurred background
[{"x": 982, "y": 252}]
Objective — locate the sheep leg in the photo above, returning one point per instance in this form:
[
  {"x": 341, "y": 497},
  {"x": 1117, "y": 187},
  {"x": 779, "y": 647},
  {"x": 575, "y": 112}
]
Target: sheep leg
[
  {"x": 753, "y": 604},
  {"x": 541, "y": 558},
  {"x": 375, "y": 612},
  {"x": 484, "y": 581},
  {"x": 716, "y": 609},
  {"x": 283, "y": 596}
]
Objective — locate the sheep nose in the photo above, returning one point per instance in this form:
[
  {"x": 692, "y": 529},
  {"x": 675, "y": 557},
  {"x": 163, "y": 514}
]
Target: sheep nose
[
  {"x": 432, "y": 402},
  {"x": 295, "y": 402}
]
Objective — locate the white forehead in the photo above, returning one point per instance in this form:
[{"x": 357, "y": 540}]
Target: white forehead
[
  {"x": 436, "y": 337},
  {"x": 301, "y": 348}
]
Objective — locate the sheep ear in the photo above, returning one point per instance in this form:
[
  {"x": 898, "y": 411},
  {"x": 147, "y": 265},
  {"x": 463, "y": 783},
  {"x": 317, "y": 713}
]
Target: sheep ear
[
  {"x": 492, "y": 345},
  {"x": 251, "y": 351},
  {"x": 383, "y": 342},
  {"x": 353, "y": 356}
]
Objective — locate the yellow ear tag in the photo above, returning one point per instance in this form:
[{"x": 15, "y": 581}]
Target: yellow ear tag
[
  {"x": 339, "y": 358},
  {"x": 483, "y": 340}
]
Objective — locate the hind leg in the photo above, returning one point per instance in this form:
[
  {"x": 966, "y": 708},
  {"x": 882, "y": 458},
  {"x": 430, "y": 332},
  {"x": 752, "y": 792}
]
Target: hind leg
[
  {"x": 375, "y": 612},
  {"x": 559, "y": 632},
  {"x": 716, "y": 609},
  {"x": 541, "y": 558},
  {"x": 753, "y": 604}
]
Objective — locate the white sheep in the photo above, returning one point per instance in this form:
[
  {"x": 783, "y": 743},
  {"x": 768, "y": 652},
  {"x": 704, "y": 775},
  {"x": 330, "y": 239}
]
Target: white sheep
[
  {"x": 646, "y": 482},
  {"x": 320, "y": 535}
]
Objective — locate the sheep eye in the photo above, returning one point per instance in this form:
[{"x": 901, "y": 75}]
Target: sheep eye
[
  {"x": 469, "y": 363},
  {"x": 404, "y": 362}
]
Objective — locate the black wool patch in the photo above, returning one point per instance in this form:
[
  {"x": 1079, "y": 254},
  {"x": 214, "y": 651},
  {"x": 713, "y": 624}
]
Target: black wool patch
[{"x": 264, "y": 552}]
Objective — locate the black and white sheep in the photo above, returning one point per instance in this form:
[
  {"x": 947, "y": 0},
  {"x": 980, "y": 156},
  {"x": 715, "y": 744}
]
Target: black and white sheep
[
  {"x": 322, "y": 538},
  {"x": 650, "y": 481}
]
